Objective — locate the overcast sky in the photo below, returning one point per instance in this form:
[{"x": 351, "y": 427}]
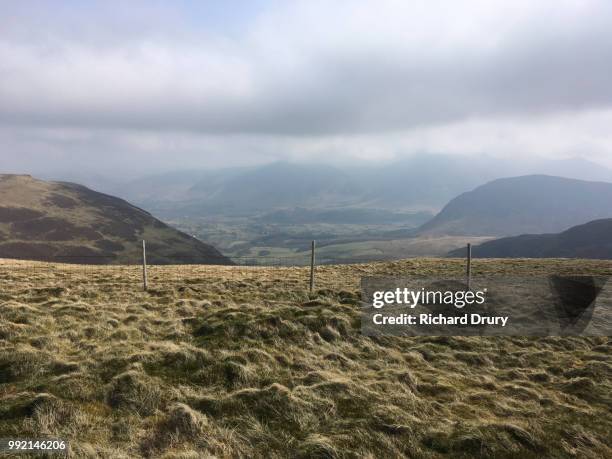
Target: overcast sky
[{"x": 110, "y": 86}]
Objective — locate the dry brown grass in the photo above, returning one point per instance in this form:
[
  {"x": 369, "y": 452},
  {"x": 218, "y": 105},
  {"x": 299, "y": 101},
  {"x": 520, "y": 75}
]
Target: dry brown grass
[{"x": 243, "y": 362}]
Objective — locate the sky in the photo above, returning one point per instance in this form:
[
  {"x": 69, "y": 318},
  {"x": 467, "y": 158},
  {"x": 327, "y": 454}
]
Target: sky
[{"x": 117, "y": 87}]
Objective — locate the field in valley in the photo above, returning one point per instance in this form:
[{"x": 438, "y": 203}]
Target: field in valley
[
  {"x": 245, "y": 362},
  {"x": 336, "y": 243}
]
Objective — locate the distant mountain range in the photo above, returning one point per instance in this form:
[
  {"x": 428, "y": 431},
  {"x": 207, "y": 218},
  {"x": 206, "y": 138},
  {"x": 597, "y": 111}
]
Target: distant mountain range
[
  {"x": 590, "y": 240},
  {"x": 417, "y": 183},
  {"x": 520, "y": 205},
  {"x": 62, "y": 221}
]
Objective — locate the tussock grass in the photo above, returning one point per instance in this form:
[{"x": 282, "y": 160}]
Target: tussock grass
[{"x": 245, "y": 362}]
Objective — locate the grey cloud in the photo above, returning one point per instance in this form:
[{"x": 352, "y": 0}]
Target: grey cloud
[
  {"x": 218, "y": 86},
  {"x": 160, "y": 87}
]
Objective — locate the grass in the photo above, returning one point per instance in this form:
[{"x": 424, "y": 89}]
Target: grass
[{"x": 244, "y": 362}]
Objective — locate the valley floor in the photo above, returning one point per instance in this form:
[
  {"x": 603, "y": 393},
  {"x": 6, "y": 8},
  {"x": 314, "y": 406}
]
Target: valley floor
[{"x": 244, "y": 362}]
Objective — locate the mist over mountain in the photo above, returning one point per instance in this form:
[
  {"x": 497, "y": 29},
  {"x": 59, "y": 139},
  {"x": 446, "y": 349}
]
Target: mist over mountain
[
  {"x": 519, "y": 205},
  {"x": 419, "y": 182},
  {"x": 170, "y": 188},
  {"x": 279, "y": 185},
  {"x": 591, "y": 240},
  {"x": 42, "y": 220}
]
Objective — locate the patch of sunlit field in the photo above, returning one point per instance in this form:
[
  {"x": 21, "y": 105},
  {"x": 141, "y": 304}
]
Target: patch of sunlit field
[{"x": 246, "y": 362}]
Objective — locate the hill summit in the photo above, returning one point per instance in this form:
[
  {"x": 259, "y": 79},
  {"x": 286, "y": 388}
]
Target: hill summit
[
  {"x": 58, "y": 221},
  {"x": 521, "y": 205}
]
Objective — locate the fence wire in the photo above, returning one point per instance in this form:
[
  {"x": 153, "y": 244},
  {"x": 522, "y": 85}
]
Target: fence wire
[{"x": 104, "y": 273}]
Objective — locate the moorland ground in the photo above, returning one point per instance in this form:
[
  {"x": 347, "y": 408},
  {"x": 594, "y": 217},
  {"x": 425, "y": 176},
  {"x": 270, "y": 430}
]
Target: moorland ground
[{"x": 245, "y": 362}]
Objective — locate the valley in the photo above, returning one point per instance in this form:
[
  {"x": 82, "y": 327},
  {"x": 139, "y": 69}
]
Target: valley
[
  {"x": 289, "y": 243},
  {"x": 355, "y": 213},
  {"x": 50, "y": 219}
]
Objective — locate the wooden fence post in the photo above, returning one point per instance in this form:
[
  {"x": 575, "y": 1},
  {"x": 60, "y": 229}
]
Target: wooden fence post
[
  {"x": 312, "y": 265},
  {"x": 144, "y": 266},
  {"x": 469, "y": 266}
]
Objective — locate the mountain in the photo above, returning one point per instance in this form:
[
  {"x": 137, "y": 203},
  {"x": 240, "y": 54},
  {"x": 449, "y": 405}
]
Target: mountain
[
  {"x": 422, "y": 182},
  {"x": 272, "y": 186},
  {"x": 284, "y": 184},
  {"x": 520, "y": 205},
  {"x": 591, "y": 240},
  {"x": 427, "y": 182},
  {"x": 575, "y": 168},
  {"x": 175, "y": 187},
  {"x": 42, "y": 220}
]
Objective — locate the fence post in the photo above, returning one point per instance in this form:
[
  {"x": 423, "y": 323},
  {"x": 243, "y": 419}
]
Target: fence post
[
  {"x": 469, "y": 266},
  {"x": 312, "y": 265},
  {"x": 144, "y": 265}
]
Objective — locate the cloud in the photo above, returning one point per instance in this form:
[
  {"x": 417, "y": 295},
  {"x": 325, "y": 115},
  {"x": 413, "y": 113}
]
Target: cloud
[
  {"x": 358, "y": 78},
  {"x": 54, "y": 150}
]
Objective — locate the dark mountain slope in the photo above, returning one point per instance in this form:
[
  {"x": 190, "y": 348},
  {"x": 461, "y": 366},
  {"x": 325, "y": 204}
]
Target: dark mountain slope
[
  {"x": 44, "y": 220},
  {"x": 591, "y": 240},
  {"x": 520, "y": 205}
]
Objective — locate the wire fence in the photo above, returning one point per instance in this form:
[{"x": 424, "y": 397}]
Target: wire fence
[
  {"x": 253, "y": 260},
  {"x": 106, "y": 272},
  {"x": 154, "y": 260}
]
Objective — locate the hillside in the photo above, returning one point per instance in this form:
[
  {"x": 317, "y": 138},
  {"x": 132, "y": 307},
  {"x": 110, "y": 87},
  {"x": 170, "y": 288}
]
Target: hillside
[
  {"x": 46, "y": 220},
  {"x": 521, "y": 205},
  {"x": 234, "y": 362},
  {"x": 591, "y": 240}
]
